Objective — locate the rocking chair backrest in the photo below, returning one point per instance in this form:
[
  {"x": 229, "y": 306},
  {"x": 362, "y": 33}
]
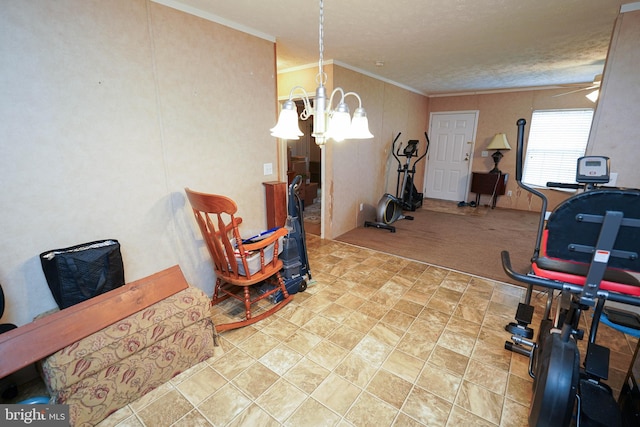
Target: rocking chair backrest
[
  {"x": 238, "y": 262},
  {"x": 215, "y": 216}
]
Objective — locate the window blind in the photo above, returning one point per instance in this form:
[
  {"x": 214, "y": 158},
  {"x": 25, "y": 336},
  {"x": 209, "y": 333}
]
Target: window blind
[{"x": 557, "y": 139}]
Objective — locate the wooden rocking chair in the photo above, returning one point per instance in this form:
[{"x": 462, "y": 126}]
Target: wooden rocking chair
[{"x": 238, "y": 266}]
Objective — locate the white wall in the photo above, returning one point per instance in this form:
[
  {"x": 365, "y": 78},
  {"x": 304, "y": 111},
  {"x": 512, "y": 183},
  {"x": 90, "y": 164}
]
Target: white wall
[{"x": 109, "y": 109}]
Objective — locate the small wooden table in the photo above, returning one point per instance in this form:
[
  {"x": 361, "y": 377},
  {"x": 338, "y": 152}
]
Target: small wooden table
[
  {"x": 276, "y": 197},
  {"x": 494, "y": 184}
]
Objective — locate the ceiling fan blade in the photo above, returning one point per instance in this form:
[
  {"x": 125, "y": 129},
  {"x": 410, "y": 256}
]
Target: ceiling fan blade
[{"x": 577, "y": 90}]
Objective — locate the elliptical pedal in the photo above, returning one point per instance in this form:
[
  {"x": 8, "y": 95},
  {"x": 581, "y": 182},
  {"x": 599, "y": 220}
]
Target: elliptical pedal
[{"x": 524, "y": 315}]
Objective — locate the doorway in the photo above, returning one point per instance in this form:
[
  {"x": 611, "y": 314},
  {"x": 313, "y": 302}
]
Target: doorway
[
  {"x": 304, "y": 157},
  {"x": 451, "y": 150}
]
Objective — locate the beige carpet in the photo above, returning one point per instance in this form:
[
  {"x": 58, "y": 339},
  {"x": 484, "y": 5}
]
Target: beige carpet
[
  {"x": 446, "y": 206},
  {"x": 466, "y": 243}
]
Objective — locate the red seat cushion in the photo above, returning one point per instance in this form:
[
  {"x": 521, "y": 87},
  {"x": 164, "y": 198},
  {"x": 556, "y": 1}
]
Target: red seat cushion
[{"x": 615, "y": 280}]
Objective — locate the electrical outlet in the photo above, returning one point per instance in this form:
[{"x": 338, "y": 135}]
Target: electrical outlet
[
  {"x": 485, "y": 154},
  {"x": 361, "y": 207},
  {"x": 509, "y": 193},
  {"x": 268, "y": 168}
]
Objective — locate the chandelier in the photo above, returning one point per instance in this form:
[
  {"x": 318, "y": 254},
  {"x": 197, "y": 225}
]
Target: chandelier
[{"x": 328, "y": 123}]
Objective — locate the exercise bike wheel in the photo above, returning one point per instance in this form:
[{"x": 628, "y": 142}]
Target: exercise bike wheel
[{"x": 557, "y": 376}]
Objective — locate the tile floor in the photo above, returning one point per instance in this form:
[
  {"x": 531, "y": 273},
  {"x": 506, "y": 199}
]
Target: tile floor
[{"x": 377, "y": 340}]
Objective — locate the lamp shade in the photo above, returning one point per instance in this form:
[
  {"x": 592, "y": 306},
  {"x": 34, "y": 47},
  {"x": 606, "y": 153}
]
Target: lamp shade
[
  {"x": 360, "y": 125},
  {"x": 287, "y": 126},
  {"x": 499, "y": 142}
]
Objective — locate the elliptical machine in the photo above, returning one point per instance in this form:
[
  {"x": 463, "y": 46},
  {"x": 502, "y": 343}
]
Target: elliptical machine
[{"x": 390, "y": 208}]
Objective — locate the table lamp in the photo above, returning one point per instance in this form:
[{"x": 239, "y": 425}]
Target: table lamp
[{"x": 499, "y": 142}]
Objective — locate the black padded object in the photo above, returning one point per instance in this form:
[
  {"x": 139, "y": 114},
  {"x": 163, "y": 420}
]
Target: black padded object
[
  {"x": 599, "y": 408},
  {"x": 4, "y": 327},
  {"x": 565, "y": 230},
  {"x": 1, "y": 302},
  {"x": 624, "y": 318},
  {"x": 80, "y": 272}
]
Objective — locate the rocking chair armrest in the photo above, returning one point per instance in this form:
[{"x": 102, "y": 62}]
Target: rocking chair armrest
[
  {"x": 236, "y": 222},
  {"x": 261, "y": 244}
]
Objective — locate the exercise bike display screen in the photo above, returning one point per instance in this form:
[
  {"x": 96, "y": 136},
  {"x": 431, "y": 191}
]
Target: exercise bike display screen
[{"x": 593, "y": 169}]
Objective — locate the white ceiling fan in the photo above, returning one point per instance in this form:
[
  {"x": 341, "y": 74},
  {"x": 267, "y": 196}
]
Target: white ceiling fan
[{"x": 595, "y": 88}]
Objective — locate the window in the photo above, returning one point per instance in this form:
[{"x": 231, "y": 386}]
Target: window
[{"x": 557, "y": 139}]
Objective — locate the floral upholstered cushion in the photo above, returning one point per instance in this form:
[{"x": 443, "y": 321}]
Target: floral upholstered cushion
[{"x": 116, "y": 365}]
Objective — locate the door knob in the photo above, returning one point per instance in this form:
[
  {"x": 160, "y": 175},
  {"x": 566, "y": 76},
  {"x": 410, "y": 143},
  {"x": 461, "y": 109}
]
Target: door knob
[{"x": 466, "y": 157}]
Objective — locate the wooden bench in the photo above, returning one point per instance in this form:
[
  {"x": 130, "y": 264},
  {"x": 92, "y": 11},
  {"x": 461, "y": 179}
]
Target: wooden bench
[{"x": 34, "y": 341}]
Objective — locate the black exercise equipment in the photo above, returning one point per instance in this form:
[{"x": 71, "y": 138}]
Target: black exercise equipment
[
  {"x": 4, "y": 327},
  {"x": 585, "y": 252},
  {"x": 8, "y": 387},
  {"x": 390, "y": 208}
]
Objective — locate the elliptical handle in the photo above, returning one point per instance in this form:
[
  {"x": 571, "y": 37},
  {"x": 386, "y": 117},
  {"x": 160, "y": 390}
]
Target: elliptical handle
[
  {"x": 520, "y": 149},
  {"x": 519, "y": 158},
  {"x": 426, "y": 149},
  {"x": 393, "y": 147}
]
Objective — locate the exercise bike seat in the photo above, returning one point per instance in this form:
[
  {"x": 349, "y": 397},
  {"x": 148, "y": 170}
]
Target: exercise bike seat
[
  {"x": 615, "y": 280},
  {"x": 573, "y": 228}
]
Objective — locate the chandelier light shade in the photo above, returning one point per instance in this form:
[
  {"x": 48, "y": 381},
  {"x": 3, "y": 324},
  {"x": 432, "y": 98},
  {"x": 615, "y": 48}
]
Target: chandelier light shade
[
  {"x": 360, "y": 125},
  {"x": 499, "y": 142},
  {"x": 287, "y": 126},
  {"x": 328, "y": 123}
]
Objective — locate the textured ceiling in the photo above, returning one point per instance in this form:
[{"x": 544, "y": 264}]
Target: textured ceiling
[{"x": 434, "y": 46}]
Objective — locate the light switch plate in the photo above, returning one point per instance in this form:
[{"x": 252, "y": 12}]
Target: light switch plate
[{"x": 268, "y": 168}]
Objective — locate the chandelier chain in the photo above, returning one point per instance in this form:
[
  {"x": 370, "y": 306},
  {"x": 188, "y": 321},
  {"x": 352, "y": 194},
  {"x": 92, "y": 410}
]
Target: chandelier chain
[
  {"x": 328, "y": 123},
  {"x": 321, "y": 35},
  {"x": 321, "y": 77}
]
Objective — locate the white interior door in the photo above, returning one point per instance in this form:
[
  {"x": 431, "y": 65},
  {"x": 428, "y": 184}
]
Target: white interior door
[{"x": 450, "y": 152}]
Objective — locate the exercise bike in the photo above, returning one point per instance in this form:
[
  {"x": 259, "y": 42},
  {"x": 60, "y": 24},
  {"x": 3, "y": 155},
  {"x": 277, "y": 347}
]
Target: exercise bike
[
  {"x": 390, "y": 208},
  {"x": 586, "y": 252}
]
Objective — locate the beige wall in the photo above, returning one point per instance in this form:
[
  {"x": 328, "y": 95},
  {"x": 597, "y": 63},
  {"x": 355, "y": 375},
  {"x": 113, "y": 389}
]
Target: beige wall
[
  {"x": 110, "y": 108},
  {"x": 615, "y": 130},
  {"x": 498, "y": 113}
]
